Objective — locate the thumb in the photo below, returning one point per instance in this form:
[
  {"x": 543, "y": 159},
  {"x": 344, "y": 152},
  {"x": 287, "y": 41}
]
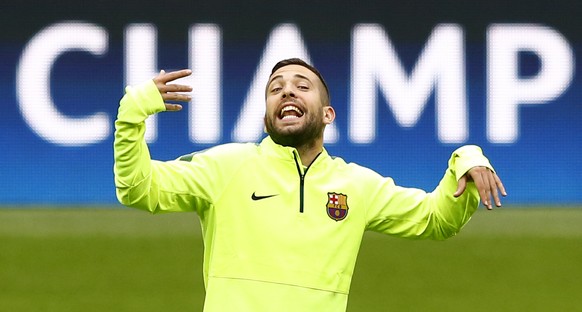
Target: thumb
[{"x": 461, "y": 186}]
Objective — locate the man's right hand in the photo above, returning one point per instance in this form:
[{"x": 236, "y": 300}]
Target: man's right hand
[{"x": 171, "y": 92}]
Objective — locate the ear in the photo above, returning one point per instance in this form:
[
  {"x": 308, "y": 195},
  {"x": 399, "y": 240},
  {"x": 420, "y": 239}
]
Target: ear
[
  {"x": 265, "y": 123},
  {"x": 328, "y": 115}
]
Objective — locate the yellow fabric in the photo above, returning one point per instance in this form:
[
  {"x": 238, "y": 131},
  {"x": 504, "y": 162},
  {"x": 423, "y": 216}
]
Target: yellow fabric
[{"x": 295, "y": 250}]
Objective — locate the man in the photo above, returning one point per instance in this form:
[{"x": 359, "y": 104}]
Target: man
[{"x": 282, "y": 221}]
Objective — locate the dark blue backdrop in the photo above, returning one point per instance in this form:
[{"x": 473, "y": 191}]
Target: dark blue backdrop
[{"x": 541, "y": 167}]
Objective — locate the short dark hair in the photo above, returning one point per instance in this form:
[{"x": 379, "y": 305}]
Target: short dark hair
[{"x": 300, "y": 62}]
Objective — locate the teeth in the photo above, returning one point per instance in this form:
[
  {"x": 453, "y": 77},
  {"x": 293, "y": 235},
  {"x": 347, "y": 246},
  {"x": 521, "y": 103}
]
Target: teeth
[{"x": 291, "y": 108}]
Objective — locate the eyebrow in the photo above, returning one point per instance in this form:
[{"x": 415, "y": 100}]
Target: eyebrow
[{"x": 295, "y": 76}]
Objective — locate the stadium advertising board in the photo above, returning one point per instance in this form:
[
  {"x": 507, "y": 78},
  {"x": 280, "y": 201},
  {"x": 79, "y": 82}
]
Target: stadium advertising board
[{"x": 410, "y": 83}]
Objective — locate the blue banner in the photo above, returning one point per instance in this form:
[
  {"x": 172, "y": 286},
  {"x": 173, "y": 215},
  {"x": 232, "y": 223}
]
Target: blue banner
[{"x": 407, "y": 88}]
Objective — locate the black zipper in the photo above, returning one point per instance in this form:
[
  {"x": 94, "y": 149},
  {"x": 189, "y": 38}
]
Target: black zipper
[{"x": 302, "y": 180}]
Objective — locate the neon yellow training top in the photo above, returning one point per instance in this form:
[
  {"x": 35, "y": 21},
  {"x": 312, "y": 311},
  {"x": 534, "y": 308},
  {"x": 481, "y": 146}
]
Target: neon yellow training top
[{"x": 278, "y": 236}]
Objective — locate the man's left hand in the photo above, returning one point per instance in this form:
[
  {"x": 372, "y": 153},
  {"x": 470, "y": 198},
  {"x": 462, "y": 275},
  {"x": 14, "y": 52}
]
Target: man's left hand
[{"x": 488, "y": 184}]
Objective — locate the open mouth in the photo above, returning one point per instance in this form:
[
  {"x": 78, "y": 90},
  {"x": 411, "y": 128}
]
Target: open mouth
[{"x": 290, "y": 112}]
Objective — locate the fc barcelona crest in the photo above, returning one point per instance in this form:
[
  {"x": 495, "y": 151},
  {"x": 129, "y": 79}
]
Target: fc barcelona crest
[{"x": 337, "y": 206}]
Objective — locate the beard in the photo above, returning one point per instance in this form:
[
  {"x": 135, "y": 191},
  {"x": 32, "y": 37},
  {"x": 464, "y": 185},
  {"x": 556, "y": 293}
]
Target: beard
[{"x": 307, "y": 134}]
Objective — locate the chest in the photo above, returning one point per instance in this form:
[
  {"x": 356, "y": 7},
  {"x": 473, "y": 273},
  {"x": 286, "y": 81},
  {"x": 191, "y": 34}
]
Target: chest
[{"x": 288, "y": 198}]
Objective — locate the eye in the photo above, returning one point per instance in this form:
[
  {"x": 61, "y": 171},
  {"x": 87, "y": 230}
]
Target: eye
[
  {"x": 303, "y": 87},
  {"x": 275, "y": 89}
]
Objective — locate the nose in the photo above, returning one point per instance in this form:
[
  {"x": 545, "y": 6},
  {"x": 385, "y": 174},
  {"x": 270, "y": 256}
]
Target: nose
[{"x": 288, "y": 91}]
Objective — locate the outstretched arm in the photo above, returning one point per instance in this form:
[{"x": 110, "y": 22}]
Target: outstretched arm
[{"x": 409, "y": 212}]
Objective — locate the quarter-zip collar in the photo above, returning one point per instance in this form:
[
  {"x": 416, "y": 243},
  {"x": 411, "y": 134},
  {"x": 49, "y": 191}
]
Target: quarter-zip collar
[{"x": 288, "y": 153}]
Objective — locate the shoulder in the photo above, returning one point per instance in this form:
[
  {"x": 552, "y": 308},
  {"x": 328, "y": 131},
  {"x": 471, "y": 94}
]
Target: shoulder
[
  {"x": 351, "y": 168},
  {"x": 228, "y": 150}
]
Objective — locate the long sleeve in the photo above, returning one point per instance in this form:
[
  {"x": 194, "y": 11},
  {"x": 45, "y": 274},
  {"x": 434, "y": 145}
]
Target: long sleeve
[
  {"x": 414, "y": 213},
  {"x": 132, "y": 158},
  {"x": 133, "y": 166},
  {"x": 138, "y": 179},
  {"x": 191, "y": 183}
]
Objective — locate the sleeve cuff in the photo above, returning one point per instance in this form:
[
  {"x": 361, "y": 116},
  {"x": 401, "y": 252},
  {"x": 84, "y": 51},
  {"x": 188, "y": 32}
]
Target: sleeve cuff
[
  {"x": 467, "y": 157},
  {"x": 140, "y": 102}
]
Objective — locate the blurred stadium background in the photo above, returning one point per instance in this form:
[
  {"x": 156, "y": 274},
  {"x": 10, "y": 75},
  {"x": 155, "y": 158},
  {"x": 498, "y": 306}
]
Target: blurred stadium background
[{"x": 410, "y": 80}]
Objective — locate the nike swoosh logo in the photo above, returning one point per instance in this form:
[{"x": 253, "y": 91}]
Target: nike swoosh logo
[{"x": 255, "y": 197}]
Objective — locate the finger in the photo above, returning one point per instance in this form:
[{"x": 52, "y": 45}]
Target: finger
[
  {"x": 171, "y": 76},
  {"x": 461, "y": 185},
  {"x": 478, "y": 179},
  {"x": 499, "y": 184},
  {"x": 493, "y": 188},
  {"x": 174, "y": 88},
  {"x": 176, "y": 97},
  {"x": 173, "y": 107},
  {"x": 487, "y": 188}
]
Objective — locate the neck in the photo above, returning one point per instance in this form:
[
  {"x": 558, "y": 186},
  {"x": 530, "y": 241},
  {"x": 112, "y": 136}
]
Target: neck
[{"x": 308, "y": 152}]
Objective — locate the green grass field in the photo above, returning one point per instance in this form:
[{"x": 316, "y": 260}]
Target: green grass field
[{"x": 508, "y": 259}]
